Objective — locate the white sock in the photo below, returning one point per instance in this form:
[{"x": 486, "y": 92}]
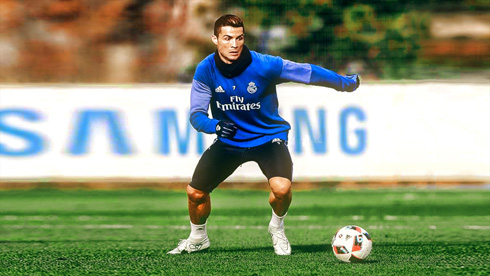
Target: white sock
[
  {"x": 277, "y": 221},
  {"x": 198, "y": 232}
]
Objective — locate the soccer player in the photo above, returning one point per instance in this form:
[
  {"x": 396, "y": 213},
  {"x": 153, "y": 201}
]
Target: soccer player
[{"x": 240, "y": 86}]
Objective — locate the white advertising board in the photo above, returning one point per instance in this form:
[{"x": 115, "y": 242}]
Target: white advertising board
[{"x": 421, "y": 130}]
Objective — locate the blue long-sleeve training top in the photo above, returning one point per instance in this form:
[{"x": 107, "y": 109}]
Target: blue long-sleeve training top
[{"x": 250, "y": 100}]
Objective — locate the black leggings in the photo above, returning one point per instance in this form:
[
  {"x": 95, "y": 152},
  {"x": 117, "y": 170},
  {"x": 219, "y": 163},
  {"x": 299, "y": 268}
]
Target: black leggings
[{"x": 220, "y": 160}]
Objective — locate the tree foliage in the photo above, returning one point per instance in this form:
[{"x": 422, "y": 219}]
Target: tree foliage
[{"x": 383, "y": 35}]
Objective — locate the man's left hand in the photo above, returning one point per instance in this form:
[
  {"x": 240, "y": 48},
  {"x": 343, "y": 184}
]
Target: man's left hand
[{"x": 356, "y": 78}]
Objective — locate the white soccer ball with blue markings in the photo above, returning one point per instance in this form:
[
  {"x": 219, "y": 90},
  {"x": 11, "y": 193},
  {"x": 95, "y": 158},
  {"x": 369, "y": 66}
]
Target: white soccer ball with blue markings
[{"x": 352, "y": 244}]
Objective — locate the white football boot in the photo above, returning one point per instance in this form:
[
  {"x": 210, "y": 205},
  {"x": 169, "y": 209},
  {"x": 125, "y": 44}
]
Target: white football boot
[
  {"x": 188, "y": 246},
  {"x": 279, "y": 240}
]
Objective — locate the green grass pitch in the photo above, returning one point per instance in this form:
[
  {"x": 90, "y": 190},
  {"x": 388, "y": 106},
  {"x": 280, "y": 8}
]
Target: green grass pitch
[{"x": 128, "y": 232}]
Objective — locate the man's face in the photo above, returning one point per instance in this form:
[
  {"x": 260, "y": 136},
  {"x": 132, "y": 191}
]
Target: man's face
[{"x": 229, "y": 43}]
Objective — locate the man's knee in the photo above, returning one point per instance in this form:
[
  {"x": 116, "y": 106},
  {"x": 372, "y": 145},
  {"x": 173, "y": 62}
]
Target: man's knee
[
  {"x": 281, "y": 187},
  {"x": 195, "y": 195}
]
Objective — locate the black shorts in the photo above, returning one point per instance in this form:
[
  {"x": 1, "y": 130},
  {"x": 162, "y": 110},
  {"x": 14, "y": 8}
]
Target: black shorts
[{"x": 220, "y": 160}]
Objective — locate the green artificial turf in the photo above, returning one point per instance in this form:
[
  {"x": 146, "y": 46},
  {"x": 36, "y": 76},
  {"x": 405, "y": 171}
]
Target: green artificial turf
[{"x": 128, "y": 232}]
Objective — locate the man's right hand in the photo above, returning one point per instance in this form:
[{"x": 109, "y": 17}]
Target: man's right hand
[{"x": 225, "y": 129}]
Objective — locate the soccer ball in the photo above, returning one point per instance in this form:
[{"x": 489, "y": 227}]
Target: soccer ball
[{"x": 351, "y": 244}]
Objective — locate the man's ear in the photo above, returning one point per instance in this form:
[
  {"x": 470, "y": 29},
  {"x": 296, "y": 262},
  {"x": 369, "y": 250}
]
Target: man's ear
[{"x": 214, "y": 39}]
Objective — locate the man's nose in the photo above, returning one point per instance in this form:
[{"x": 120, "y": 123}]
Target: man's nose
[{"x": 233, "y": 43}]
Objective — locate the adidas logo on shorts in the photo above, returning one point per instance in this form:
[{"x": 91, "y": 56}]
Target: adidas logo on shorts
[
  {"x": 279, "y": 141},
  {"x": 219, "y": 89}
]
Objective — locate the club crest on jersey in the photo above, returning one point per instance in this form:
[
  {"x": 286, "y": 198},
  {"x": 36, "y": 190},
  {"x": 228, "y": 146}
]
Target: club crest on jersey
[
  {"x": 251, "y": 88},
  {"x": 219, "y": 89}
]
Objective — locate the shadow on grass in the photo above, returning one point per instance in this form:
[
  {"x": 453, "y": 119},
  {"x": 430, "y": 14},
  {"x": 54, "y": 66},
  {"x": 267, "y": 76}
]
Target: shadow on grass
[
  {"x": 310, "y": 248},
  {"x": 360, "y": 262},
  {"x": 306, "y": 248},
  {"x": 242, "y": 249}
]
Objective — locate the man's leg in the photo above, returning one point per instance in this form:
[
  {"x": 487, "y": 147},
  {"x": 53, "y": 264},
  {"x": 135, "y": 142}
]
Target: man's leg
[
  {"x": 215, "y": 165},
  {"x": 199, "y": 204},
  {"x": 275, "y": 162},
  {"x": 279, "y": 199},
  {"x": 280, "y": 195}
]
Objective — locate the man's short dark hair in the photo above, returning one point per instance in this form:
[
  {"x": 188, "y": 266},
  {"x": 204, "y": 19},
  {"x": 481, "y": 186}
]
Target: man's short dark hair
[{"x": 227, "y": 20}]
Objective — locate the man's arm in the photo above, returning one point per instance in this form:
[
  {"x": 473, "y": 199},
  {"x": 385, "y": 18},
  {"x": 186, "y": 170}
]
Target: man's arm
[
  {"x": 200, "y": 98},
  {"x": 316, "y": 75}
]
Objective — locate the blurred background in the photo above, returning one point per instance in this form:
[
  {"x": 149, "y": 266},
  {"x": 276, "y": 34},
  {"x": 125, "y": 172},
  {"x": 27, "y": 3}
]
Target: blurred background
[
  {"x": 76, "y": 77},
  {"x": 161, "y": 41}
]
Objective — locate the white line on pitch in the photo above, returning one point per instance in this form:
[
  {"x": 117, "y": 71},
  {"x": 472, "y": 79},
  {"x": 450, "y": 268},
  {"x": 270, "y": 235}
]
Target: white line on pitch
[
  {"x": 228, "y": 227},
  {"x": 477, "y": 227}
]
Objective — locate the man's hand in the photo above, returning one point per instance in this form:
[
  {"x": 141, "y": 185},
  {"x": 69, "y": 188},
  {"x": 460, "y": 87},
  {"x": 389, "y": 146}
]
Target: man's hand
[
  {"x": 356, "y": 78},
  {"x": 226, "y": 129}
]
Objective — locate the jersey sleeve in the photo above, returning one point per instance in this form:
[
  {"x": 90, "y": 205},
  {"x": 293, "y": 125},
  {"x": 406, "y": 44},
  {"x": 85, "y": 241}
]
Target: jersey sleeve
[
  {"x": 312, "y": 74},
  {"x": 200, "y": 99}
]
